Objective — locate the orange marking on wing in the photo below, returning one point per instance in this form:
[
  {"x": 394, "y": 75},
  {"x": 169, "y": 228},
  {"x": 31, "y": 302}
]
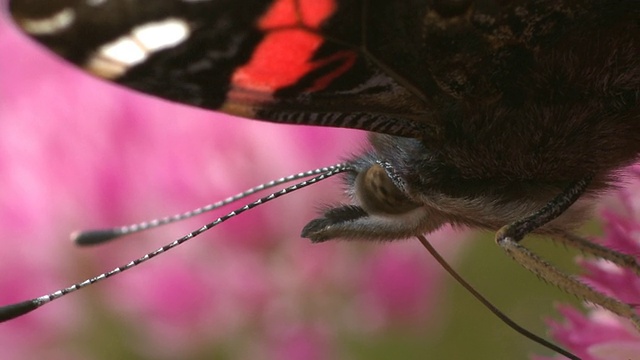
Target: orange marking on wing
[
  {"x": 283, "y": 56},
  {"x": 279, "y": 61},
  {"x": 347, "y": 59},
  {"x": 285, "y": 13}
]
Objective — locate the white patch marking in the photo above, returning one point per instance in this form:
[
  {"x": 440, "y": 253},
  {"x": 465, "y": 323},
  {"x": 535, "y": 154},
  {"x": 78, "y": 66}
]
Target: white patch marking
[
  {"x": 124, "y": 50},
  {"x": 51, "y": 25},
  {"x": 115, "y": 58},
  {"x": 157, "y": 36}
]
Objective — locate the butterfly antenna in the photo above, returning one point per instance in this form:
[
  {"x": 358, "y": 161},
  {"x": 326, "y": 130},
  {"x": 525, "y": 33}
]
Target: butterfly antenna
[
  {"x": 12, "y": 311},
  {"x": 99, "y": 236},
  {"x": 512, "y": 324}
]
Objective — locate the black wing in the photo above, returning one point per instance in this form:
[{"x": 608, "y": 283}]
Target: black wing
[{"x": 397, "y": 67}]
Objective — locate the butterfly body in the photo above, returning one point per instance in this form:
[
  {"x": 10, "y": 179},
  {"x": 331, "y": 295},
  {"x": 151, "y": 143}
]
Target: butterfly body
[{"x": 514, "y": 118}]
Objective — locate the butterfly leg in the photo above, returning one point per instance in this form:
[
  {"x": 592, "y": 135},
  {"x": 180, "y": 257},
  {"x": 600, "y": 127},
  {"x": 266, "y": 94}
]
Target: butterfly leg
[
  {"x": 509, "y": 236},
  {"x": 597, "y": 250}
]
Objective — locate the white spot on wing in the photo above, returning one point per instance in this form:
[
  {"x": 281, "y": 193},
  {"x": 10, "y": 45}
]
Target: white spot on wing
[
  {"x": 124, "y": 50},
  {"x": 51, "y": 25},
  {"x": 115, "y": 58},
  {"x": 157, "y": 36}
]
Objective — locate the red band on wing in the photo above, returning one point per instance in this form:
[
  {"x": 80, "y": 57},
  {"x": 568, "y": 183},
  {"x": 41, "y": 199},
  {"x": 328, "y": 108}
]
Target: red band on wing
[
  {"x": 283, "y": 57},
  {"x": 279, "y": 61},
  {"x": 311, "y": 13}
]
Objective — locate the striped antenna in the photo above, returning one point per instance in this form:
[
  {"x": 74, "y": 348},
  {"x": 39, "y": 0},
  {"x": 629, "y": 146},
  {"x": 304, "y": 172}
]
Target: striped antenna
[
  {"x": 13, "y": 311},
  {"x": 99, "y": 236}
]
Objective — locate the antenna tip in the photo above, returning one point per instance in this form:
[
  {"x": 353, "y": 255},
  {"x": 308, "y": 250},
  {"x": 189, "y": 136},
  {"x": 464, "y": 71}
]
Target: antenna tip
[
  {"x": 13, "y": 311},
  {"x": 94, "y": 237}
]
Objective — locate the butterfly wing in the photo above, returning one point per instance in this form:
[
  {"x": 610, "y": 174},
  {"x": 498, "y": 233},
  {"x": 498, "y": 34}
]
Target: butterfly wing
[
  {"x": 409, "y": 68},
  {"x": 288, "y": 61}
]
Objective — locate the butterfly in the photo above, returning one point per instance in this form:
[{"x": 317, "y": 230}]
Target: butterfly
[{"x": 511, "y": 116}]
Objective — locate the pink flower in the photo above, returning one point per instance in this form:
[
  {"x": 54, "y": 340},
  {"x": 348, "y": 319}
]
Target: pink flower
[
  {"x": 78, "y": 153},
  {"x": 601, "y": 335}
]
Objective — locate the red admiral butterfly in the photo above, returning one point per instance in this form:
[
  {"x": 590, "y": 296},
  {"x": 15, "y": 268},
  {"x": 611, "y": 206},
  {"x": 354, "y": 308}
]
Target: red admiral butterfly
[{"x": 511, "y": 116}]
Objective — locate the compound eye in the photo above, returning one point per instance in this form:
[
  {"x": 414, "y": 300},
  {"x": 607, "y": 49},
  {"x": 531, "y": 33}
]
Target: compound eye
[{"x": 379, "y": 195}]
